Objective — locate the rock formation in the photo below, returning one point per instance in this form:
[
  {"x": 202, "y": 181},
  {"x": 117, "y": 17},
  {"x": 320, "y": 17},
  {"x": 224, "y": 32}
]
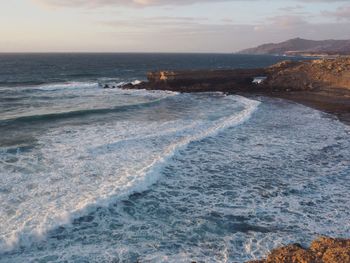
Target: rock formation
[
  {"x": 310, "y": 75},
  {"x": 201, "y": 80},
  {"x": 323, "y": 84},
  {"x": 285, "y": 76},
  {"x": 322, "y": 250}
]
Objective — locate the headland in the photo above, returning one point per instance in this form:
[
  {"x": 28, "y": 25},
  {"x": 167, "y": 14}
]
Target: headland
[{"x": 323, "y": 84}]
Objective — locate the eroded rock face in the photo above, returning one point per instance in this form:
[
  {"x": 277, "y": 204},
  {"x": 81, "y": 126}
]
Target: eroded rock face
[{"x": 322, "y": 250}]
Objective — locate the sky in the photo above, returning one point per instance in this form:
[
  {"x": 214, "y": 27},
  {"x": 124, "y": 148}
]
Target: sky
[{"x": 221, "y": 26}]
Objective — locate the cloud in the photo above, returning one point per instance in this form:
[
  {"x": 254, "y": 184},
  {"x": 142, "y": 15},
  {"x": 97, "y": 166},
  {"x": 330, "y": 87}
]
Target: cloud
[
  {"x": 291, "y": 8},
  {"x": 287, "y": 21},
  {"x": 132, "y": 3},
  {"x": 342, "y": 13},
  {"x": 206, "y": 37},
  {"x": 150, "y": 24},
  {"x": 179, "y": 32},
  {"x": 145, "y": 3}
]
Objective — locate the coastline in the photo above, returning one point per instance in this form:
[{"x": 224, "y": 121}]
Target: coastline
[
  {"x": 336, "y": 105},
  {"x": 323, "y": 84},
  {"x": 320, "y": 84}
]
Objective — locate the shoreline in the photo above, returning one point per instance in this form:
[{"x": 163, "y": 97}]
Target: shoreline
[
  {"x": 338, "y": 106},
  {"x": 322, "y": 84}
]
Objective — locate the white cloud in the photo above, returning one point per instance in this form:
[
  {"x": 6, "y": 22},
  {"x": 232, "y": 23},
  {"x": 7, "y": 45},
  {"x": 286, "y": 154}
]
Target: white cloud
[
  {"x": 144, "y": 3},
  {"x": 342, "y": 13}
]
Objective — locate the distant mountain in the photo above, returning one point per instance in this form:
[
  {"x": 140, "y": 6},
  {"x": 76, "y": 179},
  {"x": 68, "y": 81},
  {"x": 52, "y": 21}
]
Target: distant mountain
[{"x": 299, "y": 46}]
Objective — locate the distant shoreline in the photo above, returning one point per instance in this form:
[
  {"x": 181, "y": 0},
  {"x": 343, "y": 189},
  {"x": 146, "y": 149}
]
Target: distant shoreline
[{"x": 303, "y": 47}]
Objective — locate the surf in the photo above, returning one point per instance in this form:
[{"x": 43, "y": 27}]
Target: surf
[
  {"x": 140, "y": 150},
  {"x": 59, "y": 101}
]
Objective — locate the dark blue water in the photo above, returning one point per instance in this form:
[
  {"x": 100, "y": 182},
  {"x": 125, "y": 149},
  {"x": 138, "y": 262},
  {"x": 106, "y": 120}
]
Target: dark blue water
[
  {"x": 33, "y": 69},
  {"x": 97, "y": 175}
]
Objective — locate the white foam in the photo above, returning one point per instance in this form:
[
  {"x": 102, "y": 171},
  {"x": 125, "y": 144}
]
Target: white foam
[
  {"x": 136, "y": 82},
  {"x": 74, "y": 97},
  {"x": 54, "y": 86},
  {"x": 67, "y": 85},
  {"x": 76, "y": 169}
]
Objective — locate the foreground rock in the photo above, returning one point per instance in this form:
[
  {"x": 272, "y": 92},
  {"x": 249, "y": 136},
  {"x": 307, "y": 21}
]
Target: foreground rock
[{"x": 322, "y": 250}]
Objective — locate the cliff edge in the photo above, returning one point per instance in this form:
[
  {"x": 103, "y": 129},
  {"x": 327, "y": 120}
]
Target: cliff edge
[{"x": 310, "y": 75}]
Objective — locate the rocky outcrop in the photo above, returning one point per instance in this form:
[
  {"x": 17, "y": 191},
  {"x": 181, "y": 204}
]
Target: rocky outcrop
[
  {"x": 310, "y": 75},
  {"x": 285, "y": 76},
  {"x": 201, "y": 80},
  {"x": 322, "y": 250}
]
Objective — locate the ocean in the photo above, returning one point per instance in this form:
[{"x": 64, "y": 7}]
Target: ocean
[{"x": 109, "y": 175}]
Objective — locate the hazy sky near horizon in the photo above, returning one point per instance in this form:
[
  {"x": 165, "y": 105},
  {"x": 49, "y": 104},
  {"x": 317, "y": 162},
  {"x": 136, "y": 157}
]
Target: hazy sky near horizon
[{"x": 165, "y": 25}]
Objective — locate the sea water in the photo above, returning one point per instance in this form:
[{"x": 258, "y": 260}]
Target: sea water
[{"x": 110, "y": 175}]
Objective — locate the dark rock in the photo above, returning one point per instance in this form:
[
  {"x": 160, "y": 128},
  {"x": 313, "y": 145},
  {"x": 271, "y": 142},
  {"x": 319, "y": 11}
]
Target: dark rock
[
  {"x": 286, "y": 75},
  {"x": 202, "y": 80}
]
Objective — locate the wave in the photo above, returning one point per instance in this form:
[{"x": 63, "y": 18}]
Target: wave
[
  {"x": 136, "y": 82},
  {"x": 40, "y": 86},
  {"x": 142, "y": 180},
  {"x": 77, "y": 113},
  {"x": 67, "y": 85},
  {"x": 13, "y": 84},
  {"x": 153, "y": 97}
]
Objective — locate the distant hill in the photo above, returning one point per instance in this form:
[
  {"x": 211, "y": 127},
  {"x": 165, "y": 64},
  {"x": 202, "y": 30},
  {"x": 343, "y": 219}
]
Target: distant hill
[{"x": 299, "y": 46}]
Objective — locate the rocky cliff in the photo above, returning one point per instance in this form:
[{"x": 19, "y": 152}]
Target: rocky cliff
[
  {"x": 310, "y": 75},
  {"x": 322, "y": 250}
]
